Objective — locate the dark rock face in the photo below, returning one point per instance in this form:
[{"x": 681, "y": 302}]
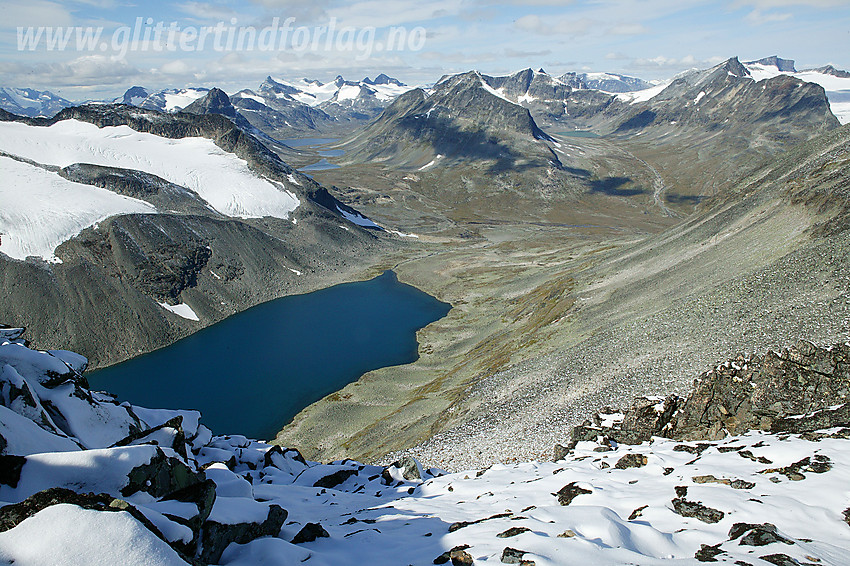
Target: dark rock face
[
  {"x": 762, "y": 393},
  {"x": 799, "y": 390},
  {"x": 784, "y": 65},
  {"x": 216, "y": 536},
  {"x": 708, "y": 553},
  {"x": 335, "y": 478},
  {"x": 309, "y": 533},
  {"x": 161, "y": 476},
  {"x": 10, "y": 469},
  {"x": 138, "y": 184},
  {"x": 512, "y": 555}
]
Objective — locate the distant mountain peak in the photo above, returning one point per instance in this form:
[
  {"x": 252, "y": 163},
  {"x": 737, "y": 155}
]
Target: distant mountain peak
[
  {"x": 784, "y": 65},
  {"x": 31, "y": 102},
  {"x": 830, "y": 70},
  {"x": 216, "y": 101},
  {"x": 734, "y": 67},
  {"x": 383, "y": 79}
]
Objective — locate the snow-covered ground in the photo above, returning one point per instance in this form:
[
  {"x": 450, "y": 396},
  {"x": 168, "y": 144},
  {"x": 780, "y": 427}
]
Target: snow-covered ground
[
  {"x": 180, "y": 99},
  {"x": 219, "y": 177},
  {"x": 642, "y": 95},
  {"x": 757, "y": 499},
  {"x": 39, "y": 209}
]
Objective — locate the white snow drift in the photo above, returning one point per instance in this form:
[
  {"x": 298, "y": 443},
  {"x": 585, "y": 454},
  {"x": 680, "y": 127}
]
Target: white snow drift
[
  {"x": 658, "y": 503},
  {"x": 219, "y": 177},
  {"x": 39, "y": 210}
]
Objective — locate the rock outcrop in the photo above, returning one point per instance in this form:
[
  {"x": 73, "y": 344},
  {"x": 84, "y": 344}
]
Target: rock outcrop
[{"x": 800, "y": 389}]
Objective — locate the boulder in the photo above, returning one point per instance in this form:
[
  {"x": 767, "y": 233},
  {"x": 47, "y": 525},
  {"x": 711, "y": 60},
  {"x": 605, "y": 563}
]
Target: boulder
[
  {"x": 217, "y": 536},
  {"x": 161, "y": 476},
  {"x": 309, "y": 533}
]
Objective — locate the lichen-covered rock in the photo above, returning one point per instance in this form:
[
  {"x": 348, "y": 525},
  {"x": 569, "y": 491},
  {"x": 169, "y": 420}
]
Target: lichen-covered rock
[
  {"x": 801, "y": 389},
  {"x": 631, "y": 461},
  {"x": 697, "y": 510}
]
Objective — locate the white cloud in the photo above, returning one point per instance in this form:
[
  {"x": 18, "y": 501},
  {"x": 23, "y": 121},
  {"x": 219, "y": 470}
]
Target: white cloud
[
  {"x": 629, "y": 29},
  {"x": 767, "y": 4},
  {"x": 207, "y": 12},
  {"x": 34, "y": 13},
  {"x": 554, "y": 25},
  {"x": 88, "y": 70},
  {"x": 379, "y": 13},
  {"x": 675, "y": 63},
  {"x": 757, "y": 17}
]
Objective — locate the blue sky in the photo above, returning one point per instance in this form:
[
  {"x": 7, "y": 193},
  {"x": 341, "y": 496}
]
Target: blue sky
[{"x": 652, "y": 39}]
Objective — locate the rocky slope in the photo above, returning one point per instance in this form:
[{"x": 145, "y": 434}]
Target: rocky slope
[
  {"x": 87, "y": 480},
  {"x": 113, "y": 277},
  {"x": 763, "y": 261}
]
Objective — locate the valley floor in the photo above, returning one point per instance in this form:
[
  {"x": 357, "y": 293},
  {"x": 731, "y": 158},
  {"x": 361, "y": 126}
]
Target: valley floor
[{"x": 551, "y": 321}]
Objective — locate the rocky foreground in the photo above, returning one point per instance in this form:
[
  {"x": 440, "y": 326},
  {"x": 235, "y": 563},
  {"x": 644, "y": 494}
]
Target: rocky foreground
[{"x": 755, "y": 472}]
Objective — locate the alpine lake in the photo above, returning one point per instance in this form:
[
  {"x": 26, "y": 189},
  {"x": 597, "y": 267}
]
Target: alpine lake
[{"x": 251, "y": 373}]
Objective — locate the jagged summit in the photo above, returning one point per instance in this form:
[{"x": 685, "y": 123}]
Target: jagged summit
[
  {"x": 734, "y": 67},
  {"x": 383, "y": 79},
  {"x": 215, "y": 102}
]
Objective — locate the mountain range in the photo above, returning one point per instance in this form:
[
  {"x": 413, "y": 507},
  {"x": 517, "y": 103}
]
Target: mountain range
[{"x": 603, "y": 242}]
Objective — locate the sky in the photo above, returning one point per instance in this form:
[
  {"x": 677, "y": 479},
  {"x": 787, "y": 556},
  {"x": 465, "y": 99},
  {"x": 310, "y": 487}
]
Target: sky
[{"x": 111, "y": 45}]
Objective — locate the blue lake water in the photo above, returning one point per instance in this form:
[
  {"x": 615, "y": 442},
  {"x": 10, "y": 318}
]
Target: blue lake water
[
  {"x": 320, "y": 165},
  {"x": 578, "y": 134},
  {"x": 308, "y": 142},
  {"x": 254, "y": 371}
]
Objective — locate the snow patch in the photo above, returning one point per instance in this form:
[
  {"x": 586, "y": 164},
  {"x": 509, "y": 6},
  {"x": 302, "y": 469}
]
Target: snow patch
[
  {"x": 182, "y": 309},
  {"x": 431, "y": 163},
  {"x": 642, "y": 95},
  {"x": 358, "y": 219}
]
